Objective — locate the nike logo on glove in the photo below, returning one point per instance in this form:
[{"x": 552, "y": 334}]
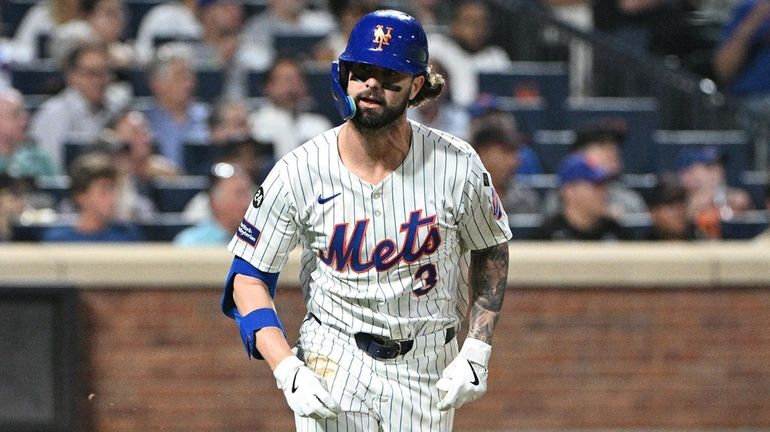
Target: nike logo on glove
[
  {"x": 324, "y": 200},
  {"x": 475, "y": 377},
  {"x": 294, "y": 381}
]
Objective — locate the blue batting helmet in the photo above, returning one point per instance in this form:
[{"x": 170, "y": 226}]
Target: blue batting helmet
[{"x": 386, "y": 38}]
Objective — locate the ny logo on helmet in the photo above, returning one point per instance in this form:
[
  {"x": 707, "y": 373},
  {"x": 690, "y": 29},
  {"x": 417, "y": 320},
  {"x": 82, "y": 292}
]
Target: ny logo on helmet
[{"x": 380, "y": 37}]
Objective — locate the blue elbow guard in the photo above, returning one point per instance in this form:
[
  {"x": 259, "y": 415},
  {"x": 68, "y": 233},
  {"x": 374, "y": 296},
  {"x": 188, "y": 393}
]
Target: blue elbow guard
[
  {"x": 252, "y": 323},
  {"x": 241, "y": 266}
]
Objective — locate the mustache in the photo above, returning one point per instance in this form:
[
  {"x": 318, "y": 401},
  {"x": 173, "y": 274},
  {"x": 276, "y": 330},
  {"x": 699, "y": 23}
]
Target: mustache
[{"x": 370, "y": 96}]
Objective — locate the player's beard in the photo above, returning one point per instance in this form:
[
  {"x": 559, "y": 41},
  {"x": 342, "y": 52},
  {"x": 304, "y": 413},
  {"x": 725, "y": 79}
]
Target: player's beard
[{"x": 378, "y": 118}]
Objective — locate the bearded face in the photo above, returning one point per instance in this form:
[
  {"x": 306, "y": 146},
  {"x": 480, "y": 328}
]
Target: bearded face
[{"x": 381, "y": 95}]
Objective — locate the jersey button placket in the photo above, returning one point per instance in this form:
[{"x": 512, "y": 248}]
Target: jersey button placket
[{"x": 376, "y": 195}]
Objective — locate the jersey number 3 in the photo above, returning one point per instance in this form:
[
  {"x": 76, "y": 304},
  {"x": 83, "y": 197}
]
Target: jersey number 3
[{"x": 427, "y": 274}]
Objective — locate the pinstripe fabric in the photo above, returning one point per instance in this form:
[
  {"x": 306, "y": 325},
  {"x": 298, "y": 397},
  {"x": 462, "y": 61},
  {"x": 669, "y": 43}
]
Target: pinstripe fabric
[
  {"x": 394, "y": 395},
  {"x": 388, "y": 259}
]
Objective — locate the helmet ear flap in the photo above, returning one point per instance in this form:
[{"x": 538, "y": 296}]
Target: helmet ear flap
[{"x": 344, "y": 103}]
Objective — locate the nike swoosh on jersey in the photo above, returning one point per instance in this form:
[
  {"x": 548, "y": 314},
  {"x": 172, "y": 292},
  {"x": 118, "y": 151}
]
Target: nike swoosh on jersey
[
  {"x": 475, "y": 377},
  {"x": 294, "y": 382},
  {"x": 322, "y": 200}
]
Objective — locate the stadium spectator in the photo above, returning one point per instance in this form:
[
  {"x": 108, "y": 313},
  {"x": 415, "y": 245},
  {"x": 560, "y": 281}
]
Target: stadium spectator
[
  {"x": 657, "y": 26},
  {"x": 173, "y": 21},
  {"x": 467, "y": 50},
  {"x": 223, "y": 47},
  {"x": 488, "y": 107},
  {"x": 432, "y": 14},
  {"x": 742, "y": 59},
  {"x": 709, "y": 198},
  {"x": 644, "y": 26},
  {"x": 346, "y": 14},
  {"x": 228, "y": 184},
  {"x": 103, "y": 21},
  {"x": 667, "y": 203},
  {"x": 135, "y": 140},
  {"x": 39, "y": 24},
  {"x": 137, "y": 166},
  {"x": 601, "y": 143},
  {"x": 79, "y": 113},
  {"x": 253, "y": 157},
  {"x": 441, "y": 113},
  {"x": 18, "y": 156},
  {"x": 175, "y": 117},
  {"x": 229, "y": 121},
  {"x": 285, "y": 118},
  {"x": 286, "y": 17},
  {"x": 94, "y": 193},
  {"x": 499, "y": 151},
  {"x": 11, "y": 205},
  {"x": 585, "y": 213}
]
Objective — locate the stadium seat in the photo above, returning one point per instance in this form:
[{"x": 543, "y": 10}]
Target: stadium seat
[
  {"x": 524, "y": 225},
  {"x": 299, "y": 46},
  {"x": 172, "y": 194},
  {"x": 640, "y": 118},
  {"x": 319, "y": 87},
  {"x": 33, "y": 232},
  {"x": 74, "y": 149},
  {"x": 551, "y": 146},
  {"x": 135, "y": 12},
  {"x": 39, "y": 78},
  {"x": 253, "y": 7},
  {"x": 56, "y": 187},
  {"x": 163, "y": 227},
  {"x": 642, "y": 183},
  {"x": 734, "y": 144},
  {"x": 755, "y": 183},
  {"x": 524, "y": 80},
  {"x": 542, "y": 183},
  {"x": 530, "y": 116},
  {"x": 12, "y": 13},
  {"x": 209, "y": 88},
  {"x": 198, "y": 158},
  {"x": 745, "y": 226},
  {"x": 256, "y": 83},
  {"x": 638, "y": 226}
]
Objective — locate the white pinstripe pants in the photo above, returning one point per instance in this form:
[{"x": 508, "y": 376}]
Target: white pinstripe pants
[{"x": 377, "y": 395}]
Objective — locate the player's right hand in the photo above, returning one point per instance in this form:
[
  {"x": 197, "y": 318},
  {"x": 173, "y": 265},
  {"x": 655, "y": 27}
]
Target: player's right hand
[{"x": 305, "y": 391}]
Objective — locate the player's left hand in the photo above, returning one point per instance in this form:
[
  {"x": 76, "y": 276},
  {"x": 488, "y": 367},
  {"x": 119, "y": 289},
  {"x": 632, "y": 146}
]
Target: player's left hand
[{"x": 465, "y": 378}]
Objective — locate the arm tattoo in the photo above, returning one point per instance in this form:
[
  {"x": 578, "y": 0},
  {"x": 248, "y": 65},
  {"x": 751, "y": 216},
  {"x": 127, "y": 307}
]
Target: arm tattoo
[{"x": 488, "y": 277}]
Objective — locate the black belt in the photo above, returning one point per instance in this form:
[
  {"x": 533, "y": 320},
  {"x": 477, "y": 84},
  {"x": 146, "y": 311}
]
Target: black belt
[{"x": 380, "y": 348}]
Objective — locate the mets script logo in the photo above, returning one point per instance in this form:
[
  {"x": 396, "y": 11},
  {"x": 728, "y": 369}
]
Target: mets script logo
[
  {"x": 381, "y": 38},
  {"x": 346, "y": 252}
]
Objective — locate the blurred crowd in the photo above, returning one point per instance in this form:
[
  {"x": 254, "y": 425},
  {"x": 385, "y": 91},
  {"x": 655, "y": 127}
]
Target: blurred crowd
[{"x": 128, "y": 148}]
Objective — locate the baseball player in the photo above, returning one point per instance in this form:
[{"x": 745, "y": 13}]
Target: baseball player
[{"x": 390, "y": 215}]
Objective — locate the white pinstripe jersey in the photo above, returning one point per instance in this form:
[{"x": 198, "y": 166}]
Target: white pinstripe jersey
[{"x": 386, "y": 259}]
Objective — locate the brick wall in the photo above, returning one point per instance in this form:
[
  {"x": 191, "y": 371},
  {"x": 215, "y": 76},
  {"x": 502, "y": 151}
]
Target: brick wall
[{"x": 167, "y": 360}]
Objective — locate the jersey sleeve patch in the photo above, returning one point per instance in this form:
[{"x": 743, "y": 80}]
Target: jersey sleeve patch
[{"x": 248, "y": 233}]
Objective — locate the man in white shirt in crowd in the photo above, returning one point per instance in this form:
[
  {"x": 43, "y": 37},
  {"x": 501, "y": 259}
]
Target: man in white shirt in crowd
[
  {"x": 81, "y": 111},
  {"x": 285, "y": 119}
]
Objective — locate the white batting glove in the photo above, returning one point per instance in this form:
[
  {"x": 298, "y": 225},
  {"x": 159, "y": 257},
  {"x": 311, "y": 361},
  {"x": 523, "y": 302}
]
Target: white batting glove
[
  {"x": 305, "y": 391},
  {"x": 465, "y": 378}
]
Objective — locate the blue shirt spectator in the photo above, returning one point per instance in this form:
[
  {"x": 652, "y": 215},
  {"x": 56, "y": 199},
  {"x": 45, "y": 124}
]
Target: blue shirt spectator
[
  {"x": 206, "y": 233},
  {"x": 743, "y": 58},
  {"x": 113, "y": 233},
  {"x": 93, "y": 189},
  {"x": 175, "y": 118},
  {"x": 171, "y": 134}
]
